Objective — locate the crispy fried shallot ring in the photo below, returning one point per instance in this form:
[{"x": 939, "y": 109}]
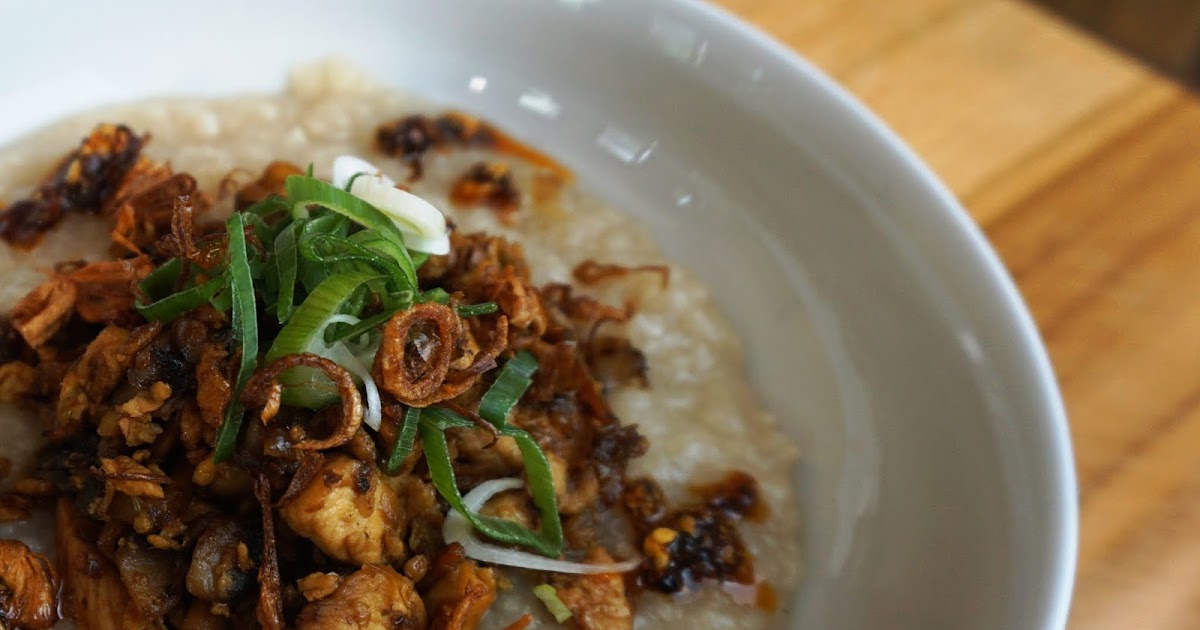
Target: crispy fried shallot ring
[
  {"x": 414, "y": 380},
  {"x": 423, "y": 374},
  {"x": 459, "y": 381},
  {"x": 264, "y": 390}
]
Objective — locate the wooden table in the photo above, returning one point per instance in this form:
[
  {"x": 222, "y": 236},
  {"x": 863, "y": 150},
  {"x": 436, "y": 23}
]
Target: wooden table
[{"x": 1083, "y": 167}]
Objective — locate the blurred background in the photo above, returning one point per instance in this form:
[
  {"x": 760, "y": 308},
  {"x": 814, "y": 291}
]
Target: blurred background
[{"x": 1164, "y": 33}]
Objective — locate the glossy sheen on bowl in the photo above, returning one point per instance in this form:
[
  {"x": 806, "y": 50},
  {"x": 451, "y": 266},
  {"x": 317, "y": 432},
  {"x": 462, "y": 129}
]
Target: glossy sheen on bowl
[{"x": 937, "y": 482}]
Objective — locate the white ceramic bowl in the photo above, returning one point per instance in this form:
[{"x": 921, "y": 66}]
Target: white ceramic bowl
[{"x": 937, "y": 483}]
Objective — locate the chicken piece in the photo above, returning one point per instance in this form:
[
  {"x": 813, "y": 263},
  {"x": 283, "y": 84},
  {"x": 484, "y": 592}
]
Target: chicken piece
[
  {"x": 92, "y": 592},
  {"x": 318, "y": 585},
  {"x": 349, "y": 513},
  {"x": 576, "y": 494},
  {"x": 477, "y": 459},
  {"x": 461, "y": 592},
  {"x": 28, "y": 588},
  {"x": 597, "y": 602},
  {"x": 514, "y": 505},
  {"x": 422, "y": 511},
  {"x": 372, "y": 598},
  {"x": 44, "y": 310}
]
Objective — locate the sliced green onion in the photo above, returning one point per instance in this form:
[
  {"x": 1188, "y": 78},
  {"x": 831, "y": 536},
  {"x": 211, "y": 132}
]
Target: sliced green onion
[
  {"x": 268, "y": 206},
  {"x": 404, "y": 440},
  {"x": 541, "y": 487},
  {"x": 549, "y": 597},
  {"x": 385, "y": 247},
  {"x": 333, "y": 250},
  {"x": 287, "y": 266},
  {"x": 472, "y": 310},
  {"x": 176, "y": 304},
  {"x": 269, "y": 281},
  {"x": 305, "y": 332},
  {"x": 303, "y": 192},
  {"x": 515, "y": 377},
  {"x": 434, "y": 423},
  {"x": 263, "y": 232},
  {"x": 436, "y": 294},
  {"x": 222, "y": 300},
  {"x": 245, "y": 333},
  {"x": 312, "y": 274},
  {"x": 327, "y": 223},
  {"x": 162, "y": 281}
]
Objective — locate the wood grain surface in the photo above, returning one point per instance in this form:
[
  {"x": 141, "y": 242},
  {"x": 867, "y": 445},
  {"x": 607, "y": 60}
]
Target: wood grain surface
[{"x": 1083, "y": 167}]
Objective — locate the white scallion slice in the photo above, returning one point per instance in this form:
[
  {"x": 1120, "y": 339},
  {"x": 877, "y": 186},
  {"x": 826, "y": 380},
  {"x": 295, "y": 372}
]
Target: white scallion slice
[
  {"x": 458, "y": 530},
  {"x": 423, "y": 225},
  {"x": 345, "y": 167}
]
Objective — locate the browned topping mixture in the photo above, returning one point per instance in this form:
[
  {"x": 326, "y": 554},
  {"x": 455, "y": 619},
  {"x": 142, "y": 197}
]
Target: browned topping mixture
[
  {"x": 695, "y": 542},
  {"x": 488, "y": 184},
  {"x": 85, "y": 181},
  {"x": 411, "y": 137},
  {"x": 204, "y": 478},
  {"x": 107, "y": 175}
]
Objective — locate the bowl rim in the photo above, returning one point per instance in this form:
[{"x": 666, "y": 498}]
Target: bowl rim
[{"x": 1014, "y": 323}]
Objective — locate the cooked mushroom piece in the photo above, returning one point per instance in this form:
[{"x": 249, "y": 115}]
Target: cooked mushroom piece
[
  {"x": 349, "y": 513},
  {"x": 372, "y": 598},
  {"x": 151, "y": 577},
  {"x": 92, "y": 593},
  {"x": 28, "y": 588},
  {"x": 221, "y": 566}
]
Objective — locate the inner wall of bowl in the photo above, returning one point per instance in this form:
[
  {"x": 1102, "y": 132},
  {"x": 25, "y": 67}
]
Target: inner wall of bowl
[{"x": 918, "y": 508}]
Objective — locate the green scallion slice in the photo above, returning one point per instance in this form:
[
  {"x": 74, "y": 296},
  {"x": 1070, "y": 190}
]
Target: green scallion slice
[
  {"x": 245, "y": 333},
  {"x": 303, "y": 192},
  {"x": 473, "y": 310},
  {"x": 515, "y": 377},
  {"x": 404, "y": 440},
  {"x": 176, "y": 304},
  {"x": 287, "y": 267},
  {"x": 305, "y": 332},
  {"x": 555, "y": 606},
  {"x": 434, "y": 423}
]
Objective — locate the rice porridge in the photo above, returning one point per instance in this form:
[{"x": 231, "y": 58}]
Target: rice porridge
[{"x": 699, "y": 414}]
